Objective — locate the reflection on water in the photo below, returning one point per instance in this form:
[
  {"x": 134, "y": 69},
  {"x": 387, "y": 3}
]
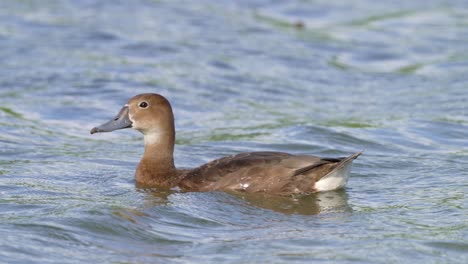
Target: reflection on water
[
  {"x": 326, "y": 202},
  {"x": 316, "y": 203}
]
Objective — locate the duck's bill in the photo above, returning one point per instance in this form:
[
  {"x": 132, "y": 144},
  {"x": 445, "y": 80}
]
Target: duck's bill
[{"x": 121, "y": 121}]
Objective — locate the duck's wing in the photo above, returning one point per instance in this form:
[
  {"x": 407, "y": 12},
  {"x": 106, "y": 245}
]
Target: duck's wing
[{"x": 272, "y": 172}]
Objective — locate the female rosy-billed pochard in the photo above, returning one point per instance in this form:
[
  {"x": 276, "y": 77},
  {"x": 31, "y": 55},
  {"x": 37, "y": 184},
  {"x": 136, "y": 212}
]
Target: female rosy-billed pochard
[{"x": 270, "y": 172}]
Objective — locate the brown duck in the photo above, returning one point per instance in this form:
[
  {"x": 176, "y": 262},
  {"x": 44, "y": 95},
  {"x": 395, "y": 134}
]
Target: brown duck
[{"x": 269, "y": 172}]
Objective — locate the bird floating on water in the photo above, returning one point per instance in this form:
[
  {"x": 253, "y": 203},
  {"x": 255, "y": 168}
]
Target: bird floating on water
[{"x": 269, "y": 172}]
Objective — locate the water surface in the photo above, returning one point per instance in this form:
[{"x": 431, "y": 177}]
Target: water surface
[{"x": 315, "y": 77}]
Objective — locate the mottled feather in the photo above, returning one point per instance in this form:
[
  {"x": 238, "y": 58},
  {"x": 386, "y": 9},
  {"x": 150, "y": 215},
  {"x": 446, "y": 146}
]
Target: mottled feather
[{"x": 272, "y": 172}]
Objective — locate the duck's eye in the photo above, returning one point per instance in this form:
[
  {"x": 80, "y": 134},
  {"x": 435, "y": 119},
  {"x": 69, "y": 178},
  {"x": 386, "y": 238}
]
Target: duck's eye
[{"x": 143, "y": 105}]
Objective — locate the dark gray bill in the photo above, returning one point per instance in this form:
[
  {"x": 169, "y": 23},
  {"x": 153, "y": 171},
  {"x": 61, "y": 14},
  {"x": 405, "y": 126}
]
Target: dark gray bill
[{"x": 121, "y": 121}]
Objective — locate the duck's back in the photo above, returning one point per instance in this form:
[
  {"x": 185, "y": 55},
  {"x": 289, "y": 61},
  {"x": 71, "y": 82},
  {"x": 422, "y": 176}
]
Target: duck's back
[{"x": 271, "y": 172}]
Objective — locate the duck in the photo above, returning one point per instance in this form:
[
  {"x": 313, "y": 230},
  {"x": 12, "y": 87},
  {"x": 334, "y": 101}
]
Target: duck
[{"x": 269, "y": 172}]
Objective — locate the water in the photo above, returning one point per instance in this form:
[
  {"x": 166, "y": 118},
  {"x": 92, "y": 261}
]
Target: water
[{"x": 387, "y": 76}]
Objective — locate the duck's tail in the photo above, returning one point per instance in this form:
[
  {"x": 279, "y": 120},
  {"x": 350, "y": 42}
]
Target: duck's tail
[
  {"x": 338, "y": 177},
  {"x": 348, "y": 160}
]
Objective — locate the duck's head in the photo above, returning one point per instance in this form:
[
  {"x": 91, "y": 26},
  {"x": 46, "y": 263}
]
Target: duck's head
[{"x": 151, "y": 114}]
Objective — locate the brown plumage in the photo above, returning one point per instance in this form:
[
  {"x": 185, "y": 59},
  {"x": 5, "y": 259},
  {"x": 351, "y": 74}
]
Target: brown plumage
[{"x": 270, "y": 172}]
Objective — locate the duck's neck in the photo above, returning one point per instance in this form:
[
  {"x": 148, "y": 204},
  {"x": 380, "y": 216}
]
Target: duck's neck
[{"x": 157, "y": 168}]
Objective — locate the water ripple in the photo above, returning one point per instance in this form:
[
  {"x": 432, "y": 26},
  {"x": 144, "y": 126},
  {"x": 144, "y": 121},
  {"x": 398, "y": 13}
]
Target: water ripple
[{"x": 328, "y": 78}]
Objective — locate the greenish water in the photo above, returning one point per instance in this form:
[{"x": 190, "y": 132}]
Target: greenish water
[{"x": 387, "y": 77}]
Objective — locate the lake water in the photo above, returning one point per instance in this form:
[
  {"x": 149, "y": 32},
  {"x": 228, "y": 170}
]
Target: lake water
[{"x": 319, "y": 77}]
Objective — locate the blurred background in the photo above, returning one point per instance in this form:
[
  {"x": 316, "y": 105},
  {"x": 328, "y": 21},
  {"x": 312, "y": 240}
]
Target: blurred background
[{"x": 325, "y": 78}]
